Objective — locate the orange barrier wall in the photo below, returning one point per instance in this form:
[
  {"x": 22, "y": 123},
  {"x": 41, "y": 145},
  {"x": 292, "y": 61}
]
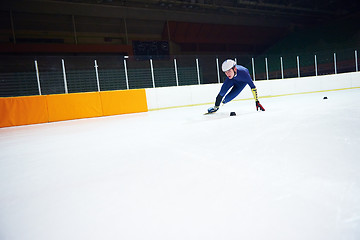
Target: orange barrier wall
[
  {"x": 73, "y": 106},
  {"x": 120, "y": 102},
  {"x": 23, "y": 110},
  {"x": 15, "y": 111}
]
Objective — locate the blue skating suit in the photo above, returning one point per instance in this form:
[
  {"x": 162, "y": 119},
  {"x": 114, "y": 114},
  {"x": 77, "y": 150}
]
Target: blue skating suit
[{"x": 237, "y": 83}]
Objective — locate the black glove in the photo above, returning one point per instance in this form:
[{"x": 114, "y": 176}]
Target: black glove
[
  {"x": 259, "y": 106},
  {"x": 213, "y": 109}
]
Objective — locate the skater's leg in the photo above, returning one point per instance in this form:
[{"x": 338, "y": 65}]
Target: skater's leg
[{"x": 234, "y": 92}]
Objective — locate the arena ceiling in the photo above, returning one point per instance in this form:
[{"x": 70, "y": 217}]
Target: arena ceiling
[
  {"x": 294, "y": 9},
  {"x": 240, "y": 24}
]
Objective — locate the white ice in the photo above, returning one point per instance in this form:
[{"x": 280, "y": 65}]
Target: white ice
[{"x": 291, "y": 172}]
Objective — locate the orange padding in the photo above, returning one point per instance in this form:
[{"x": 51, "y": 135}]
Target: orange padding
[
  {"x": 73, "y": 106},
  {"x": 15, "y": 111},
  {"x": 23, "y": 110}
]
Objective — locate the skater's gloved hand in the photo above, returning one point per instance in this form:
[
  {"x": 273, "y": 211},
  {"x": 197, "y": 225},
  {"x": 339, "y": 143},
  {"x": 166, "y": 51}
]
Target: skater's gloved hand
[
  {"x": 213, "y": 109},
  {"x": 259, "y": 106}
]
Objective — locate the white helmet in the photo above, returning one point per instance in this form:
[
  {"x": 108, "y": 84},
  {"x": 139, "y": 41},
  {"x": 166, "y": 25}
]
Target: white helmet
[{"x": 228, "y": 64}]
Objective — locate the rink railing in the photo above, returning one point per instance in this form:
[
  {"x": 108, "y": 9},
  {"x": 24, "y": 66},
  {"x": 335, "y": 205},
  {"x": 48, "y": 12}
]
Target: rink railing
[
  {"x": 26, "y": 110},
  {"x": 45, "y": 75}
]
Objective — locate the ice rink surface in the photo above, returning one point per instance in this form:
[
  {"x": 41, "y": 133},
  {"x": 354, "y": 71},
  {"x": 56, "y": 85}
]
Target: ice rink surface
[{"x": 291, "y": 172}]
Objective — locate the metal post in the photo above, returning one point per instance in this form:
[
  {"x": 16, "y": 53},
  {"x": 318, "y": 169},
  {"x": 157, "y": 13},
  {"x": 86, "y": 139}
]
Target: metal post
[
  {"x": 356, "y": 61},
  {"x": 282, "y": 68},
  {"x": 197, "y": 68},
  {"x": 74, "y": 26},
  {"x": 64, "y": 74},
  {"x": 126, "y": 32},
  {"x": 217, "y": 68},
  {"x": 298, "y": 65},
  {"x": 126, "y": 73},
  {"x": 168, "y": 30},
  {"x": 176, "y": 73},
  {"x": 316, "y": 68},
  {"x": 335, "y": 68},
  {"x": 37, "y": 76},
  {"x": 12, "y": 26},
  {"x": 97, "y": 76},
  {"x": 253, "y": 67},
  {"x": 267, "y": 69},
  {"x": 152, "y": 73}
]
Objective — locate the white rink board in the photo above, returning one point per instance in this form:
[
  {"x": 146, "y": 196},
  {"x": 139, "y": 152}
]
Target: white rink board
[{"x": 205, "y": 94}]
